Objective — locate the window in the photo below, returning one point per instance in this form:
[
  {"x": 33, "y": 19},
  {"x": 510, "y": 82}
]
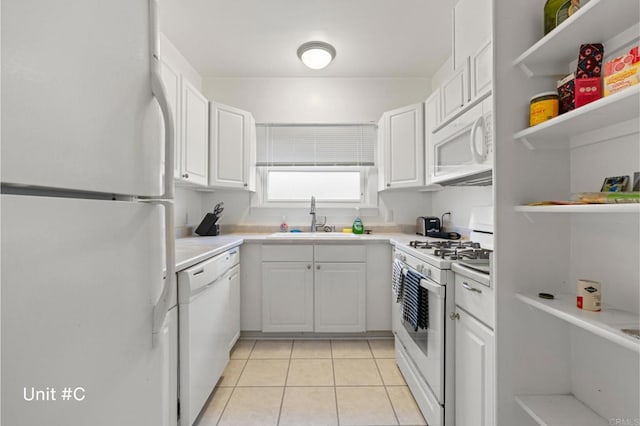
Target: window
[{"x": 334, "y": 163}]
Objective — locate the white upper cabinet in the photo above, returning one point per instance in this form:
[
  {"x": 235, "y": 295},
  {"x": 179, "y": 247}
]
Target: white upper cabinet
[
  {"x": 432, "y": 119},
  {"x": 455, "y": 92},
  {"x": 195, "y": 131},
  {"x": 190, "y": 111},
  {"x": 472, "y": 57},
  {"x": 232, "y": 148},
  {"x": 471, "y": 29},
  {"x": 403, "y": 147}
]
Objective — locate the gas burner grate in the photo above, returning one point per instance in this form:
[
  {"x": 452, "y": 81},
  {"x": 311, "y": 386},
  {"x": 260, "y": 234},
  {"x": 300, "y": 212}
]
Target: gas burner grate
[{"x": 444, "y": 245}]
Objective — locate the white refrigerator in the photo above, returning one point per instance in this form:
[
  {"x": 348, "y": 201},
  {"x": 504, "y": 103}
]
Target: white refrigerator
[{"x": 86, "y": 217}]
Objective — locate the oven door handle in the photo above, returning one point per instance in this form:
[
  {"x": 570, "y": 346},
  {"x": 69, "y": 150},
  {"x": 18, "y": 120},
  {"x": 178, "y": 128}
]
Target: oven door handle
[{"x": 437, "y": 289}]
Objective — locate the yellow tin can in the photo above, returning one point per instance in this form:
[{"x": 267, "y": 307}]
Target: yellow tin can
[{"x": 543, "y": 107}]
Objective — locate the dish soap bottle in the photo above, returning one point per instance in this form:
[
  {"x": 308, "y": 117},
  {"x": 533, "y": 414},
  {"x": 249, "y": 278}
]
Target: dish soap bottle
[
  {"x": 283, "y": 226},
  {"x": 358, "y": 227}
]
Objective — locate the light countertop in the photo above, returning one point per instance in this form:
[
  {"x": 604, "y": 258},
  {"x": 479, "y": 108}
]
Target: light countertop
[{"x": 193, "y": 250}]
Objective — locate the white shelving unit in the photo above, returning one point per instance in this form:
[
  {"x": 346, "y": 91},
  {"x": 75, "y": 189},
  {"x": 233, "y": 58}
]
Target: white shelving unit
[
  {"x": 581, "y": 208},
  {"x": 557, "y": 132},
  {"x": 598, "y": 20},
  {"x": 559, "y": 410},
  {"x": 561, "y": 154},
  {"x": 607, "y": 323}
]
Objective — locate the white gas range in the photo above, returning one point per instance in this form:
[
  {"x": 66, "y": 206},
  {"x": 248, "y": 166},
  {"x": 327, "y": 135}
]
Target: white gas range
[{"x": 423, "y": 300}]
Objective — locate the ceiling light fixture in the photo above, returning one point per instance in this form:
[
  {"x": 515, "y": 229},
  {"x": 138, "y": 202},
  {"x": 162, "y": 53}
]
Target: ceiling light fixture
[{"x": 316, "y": 54}]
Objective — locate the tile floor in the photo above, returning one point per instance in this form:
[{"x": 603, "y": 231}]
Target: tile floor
[{"x": 312, "y": 382}]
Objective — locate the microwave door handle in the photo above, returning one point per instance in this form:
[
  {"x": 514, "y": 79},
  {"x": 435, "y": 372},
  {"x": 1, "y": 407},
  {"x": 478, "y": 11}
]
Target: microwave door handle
[{"x": 478, "y": 157}]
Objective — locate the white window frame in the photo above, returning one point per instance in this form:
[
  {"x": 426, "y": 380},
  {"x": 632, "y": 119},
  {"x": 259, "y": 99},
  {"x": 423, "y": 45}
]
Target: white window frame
[{"x": 368, "y": 187}]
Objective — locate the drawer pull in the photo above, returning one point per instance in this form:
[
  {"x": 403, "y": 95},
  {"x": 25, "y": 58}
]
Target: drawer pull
[
  {"x": 201, "y": 271},
  {"x": 468, "y": 287}
]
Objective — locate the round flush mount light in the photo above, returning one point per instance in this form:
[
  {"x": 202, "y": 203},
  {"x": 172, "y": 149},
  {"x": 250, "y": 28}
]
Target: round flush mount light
[{"x": 316, "y": 54}]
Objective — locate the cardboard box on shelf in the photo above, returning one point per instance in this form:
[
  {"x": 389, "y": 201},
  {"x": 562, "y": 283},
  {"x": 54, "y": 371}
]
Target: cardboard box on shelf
[{"x": 622, "y": 72}]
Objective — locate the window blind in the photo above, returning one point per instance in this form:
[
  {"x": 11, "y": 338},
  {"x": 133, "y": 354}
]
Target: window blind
[{"x": 315, "y": 144}]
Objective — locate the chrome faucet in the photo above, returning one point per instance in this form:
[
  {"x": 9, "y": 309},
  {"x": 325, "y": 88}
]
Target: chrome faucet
[{"x": 312, "y": 212}]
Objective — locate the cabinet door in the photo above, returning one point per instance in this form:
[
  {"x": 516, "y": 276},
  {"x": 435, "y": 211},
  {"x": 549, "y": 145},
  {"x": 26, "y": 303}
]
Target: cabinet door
[
  {"x": 471, "y": 28},
  {"x": 287, "y": 296},
  {"x": 231, "y": 134},
  {"x": 431, "y": 121},
  {"x": 234, "y": 305},
  {"x": 454, "y": 92},
  {"x": 382, "y": 156},
  {"x": 481, "y": 70},
  {"x": 195, "y": 132},
  {"x": 404, "y": 138},
  {"x": 171, "y": 80},
  {"x": 250, "y": 160},
  {"x": 340, "y": 297},
  {"x": 474, "y": 372}
]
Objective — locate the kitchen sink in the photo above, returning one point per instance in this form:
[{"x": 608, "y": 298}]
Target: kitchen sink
[{"x": 313, "y": 235}]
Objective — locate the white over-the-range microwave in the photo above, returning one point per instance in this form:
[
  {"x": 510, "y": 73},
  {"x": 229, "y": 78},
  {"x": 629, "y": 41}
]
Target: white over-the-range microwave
[{"x": 464, "y": 147}]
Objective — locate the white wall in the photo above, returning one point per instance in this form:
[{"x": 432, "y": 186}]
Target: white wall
[
  {"x": 394, "y": 207},
  {"x": 611, "y": 234},
  {"x": 459, "y": 200},
  {"x": 317, "y": 100},
  {"x": 443, "y": 72}
]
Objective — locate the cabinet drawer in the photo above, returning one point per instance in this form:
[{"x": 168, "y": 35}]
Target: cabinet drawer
[
  {"x": 341, "y": 253},
  {"x": 287, "y": 253},
  {"x": 475, "y": 298}
]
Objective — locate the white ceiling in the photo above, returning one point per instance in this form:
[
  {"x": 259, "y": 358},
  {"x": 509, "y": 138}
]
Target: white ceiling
[{"x": 259, "y": 38}]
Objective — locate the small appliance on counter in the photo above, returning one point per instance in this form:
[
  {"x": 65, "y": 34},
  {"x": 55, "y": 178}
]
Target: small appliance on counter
[
  {"x": 210, "y": 227},
  {"x": 427, "y": 224},
  {"x": 431, "y": 226}
]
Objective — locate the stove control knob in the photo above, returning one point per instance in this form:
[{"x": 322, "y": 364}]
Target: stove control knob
[
  {"x": 420, "y": 267},
  {"x": 428, "y": 272}
]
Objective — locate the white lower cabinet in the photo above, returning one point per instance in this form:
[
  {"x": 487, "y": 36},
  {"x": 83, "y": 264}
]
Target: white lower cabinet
[
  {"x": 474, "y": 385},
  {"x": 340, "y": 297},
  {"x": 233, "y": 330},
  {"x": 322, "y": 288},
  {"x": 287, "y": 296}
]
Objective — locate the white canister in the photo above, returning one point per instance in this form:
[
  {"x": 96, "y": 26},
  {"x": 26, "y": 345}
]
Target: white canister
[{"x": 589, "y": 295}]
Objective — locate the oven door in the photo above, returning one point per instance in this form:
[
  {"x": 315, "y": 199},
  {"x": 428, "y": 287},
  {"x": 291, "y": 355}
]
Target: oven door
[
  {"x": 464, "y": 147},
  {"x": 426, "y": 347}
]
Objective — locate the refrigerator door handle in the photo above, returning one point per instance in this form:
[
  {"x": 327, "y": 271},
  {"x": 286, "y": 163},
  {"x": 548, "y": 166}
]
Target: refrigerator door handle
[
  {"x": 162, "y": 306},
  {"x": 160, "y": 93}
]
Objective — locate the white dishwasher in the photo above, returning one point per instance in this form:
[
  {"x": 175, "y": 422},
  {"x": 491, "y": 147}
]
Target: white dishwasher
[{"x": 203, "y": 294}]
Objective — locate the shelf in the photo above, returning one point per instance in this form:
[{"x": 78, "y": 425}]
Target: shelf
[
  {"x": 606, "y": 324},
  {"x": 597, "y": 21},
  {"x": 559, "y": 410},
  {"x": 582, "y": 208},
  {"x": 557, "y": 132}
]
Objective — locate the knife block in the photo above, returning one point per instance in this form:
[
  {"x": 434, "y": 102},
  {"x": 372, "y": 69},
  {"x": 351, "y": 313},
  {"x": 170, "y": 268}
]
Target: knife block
[{"x": 208, "y": 227}]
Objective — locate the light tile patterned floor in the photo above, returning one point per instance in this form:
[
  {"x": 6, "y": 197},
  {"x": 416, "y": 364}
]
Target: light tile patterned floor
[{"x": 312, "y": 382}]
